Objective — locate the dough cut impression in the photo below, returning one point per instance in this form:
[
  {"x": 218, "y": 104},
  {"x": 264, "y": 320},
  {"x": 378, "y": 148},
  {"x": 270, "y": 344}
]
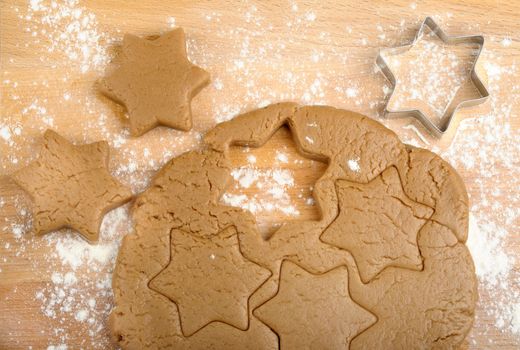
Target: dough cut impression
[{"x": 385, "y": 267}]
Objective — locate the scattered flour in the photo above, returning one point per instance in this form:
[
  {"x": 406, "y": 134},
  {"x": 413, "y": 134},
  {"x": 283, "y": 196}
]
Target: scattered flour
[
  {"x": 309, "y": 140},
  {"x": 353, "y": 165},
  {"x": 57, "y": 347},
  {"x": 81, "y": 315},
  {"x": 5, "y": 133},
  {"x": 282, "y": 157},
  {"x": 171, "y": 22},
  {"x": 80, "y": 287},
  {"x": 506, "y": 42},
  {"x": 515, "y": 323},
  {"x": 492, "y": 262},
  {"x": 71, "y": 30},
  {"x": 273, "y": 184},
  {"x": 484, "y": 150}
]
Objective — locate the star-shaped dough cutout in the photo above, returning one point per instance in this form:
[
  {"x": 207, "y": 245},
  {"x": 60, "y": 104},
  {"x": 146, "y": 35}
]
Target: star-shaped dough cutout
[
  {"x": 314, "y": 311},
  {"x": 378, "y": 224},
  {"x": 209, "y": 279},
  {"x": 70, "y": 186},
  {"x": 155, "y": 82}
]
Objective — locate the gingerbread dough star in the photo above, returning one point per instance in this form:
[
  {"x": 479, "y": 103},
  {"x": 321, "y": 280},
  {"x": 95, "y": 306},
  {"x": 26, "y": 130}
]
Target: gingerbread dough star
[
  {"x": 209, "y": 279},
  {"x": 155, "y": 82},
  {"x": 378, "y": 224},
  {"x": 70, "y": 186},
  {"x": 314, "y": 311}
]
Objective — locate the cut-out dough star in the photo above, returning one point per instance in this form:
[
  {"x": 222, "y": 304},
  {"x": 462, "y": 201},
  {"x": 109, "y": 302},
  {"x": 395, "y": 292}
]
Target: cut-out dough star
[
  {"x": 70, "y": 186},
  {"x": 378, "y": 224},
  {"x": 209, "y": 279},
  {"x": 155, "y": 81},
  {"x": 314, "y": 311}
]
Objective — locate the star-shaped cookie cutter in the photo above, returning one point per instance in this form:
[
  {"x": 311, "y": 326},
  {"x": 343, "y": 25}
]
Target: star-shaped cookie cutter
[{"x": 449, "y": 110}]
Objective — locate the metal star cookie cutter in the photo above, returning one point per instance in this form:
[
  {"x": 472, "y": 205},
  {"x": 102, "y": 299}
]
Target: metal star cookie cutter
[{"x": 449, "y": 110}]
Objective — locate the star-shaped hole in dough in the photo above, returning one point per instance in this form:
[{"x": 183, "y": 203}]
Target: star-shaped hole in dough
[
  {"x": 70, "y": 186},
  {"x": 209, "y": 279},
  {"x": 155, "y": 82},
  {"x": 314, "y": 311},
  {"x": 378, "y": 224}
]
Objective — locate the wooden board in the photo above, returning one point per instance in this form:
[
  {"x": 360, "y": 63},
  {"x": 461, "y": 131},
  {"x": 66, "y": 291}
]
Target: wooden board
[{"x": 257, "y": 53}]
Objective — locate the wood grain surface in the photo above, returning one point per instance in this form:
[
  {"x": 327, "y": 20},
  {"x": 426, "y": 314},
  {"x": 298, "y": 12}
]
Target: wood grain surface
[{"x": 257, "y": 53}]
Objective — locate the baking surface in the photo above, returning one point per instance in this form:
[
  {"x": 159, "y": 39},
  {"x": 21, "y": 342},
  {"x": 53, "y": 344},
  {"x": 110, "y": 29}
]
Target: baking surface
[{"x": 55, "y": 290}]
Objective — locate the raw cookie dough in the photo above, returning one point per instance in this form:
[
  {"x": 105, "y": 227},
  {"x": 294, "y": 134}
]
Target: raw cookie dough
[
  {"x": 155, "y": 81},
  {"x": 378, "y": 224},
  {"x": 70, "y": 186},
  {"x": 219, "y": 274},
  {"x": 297, "y": 311},
  {"x": 387, "y": 261}
]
